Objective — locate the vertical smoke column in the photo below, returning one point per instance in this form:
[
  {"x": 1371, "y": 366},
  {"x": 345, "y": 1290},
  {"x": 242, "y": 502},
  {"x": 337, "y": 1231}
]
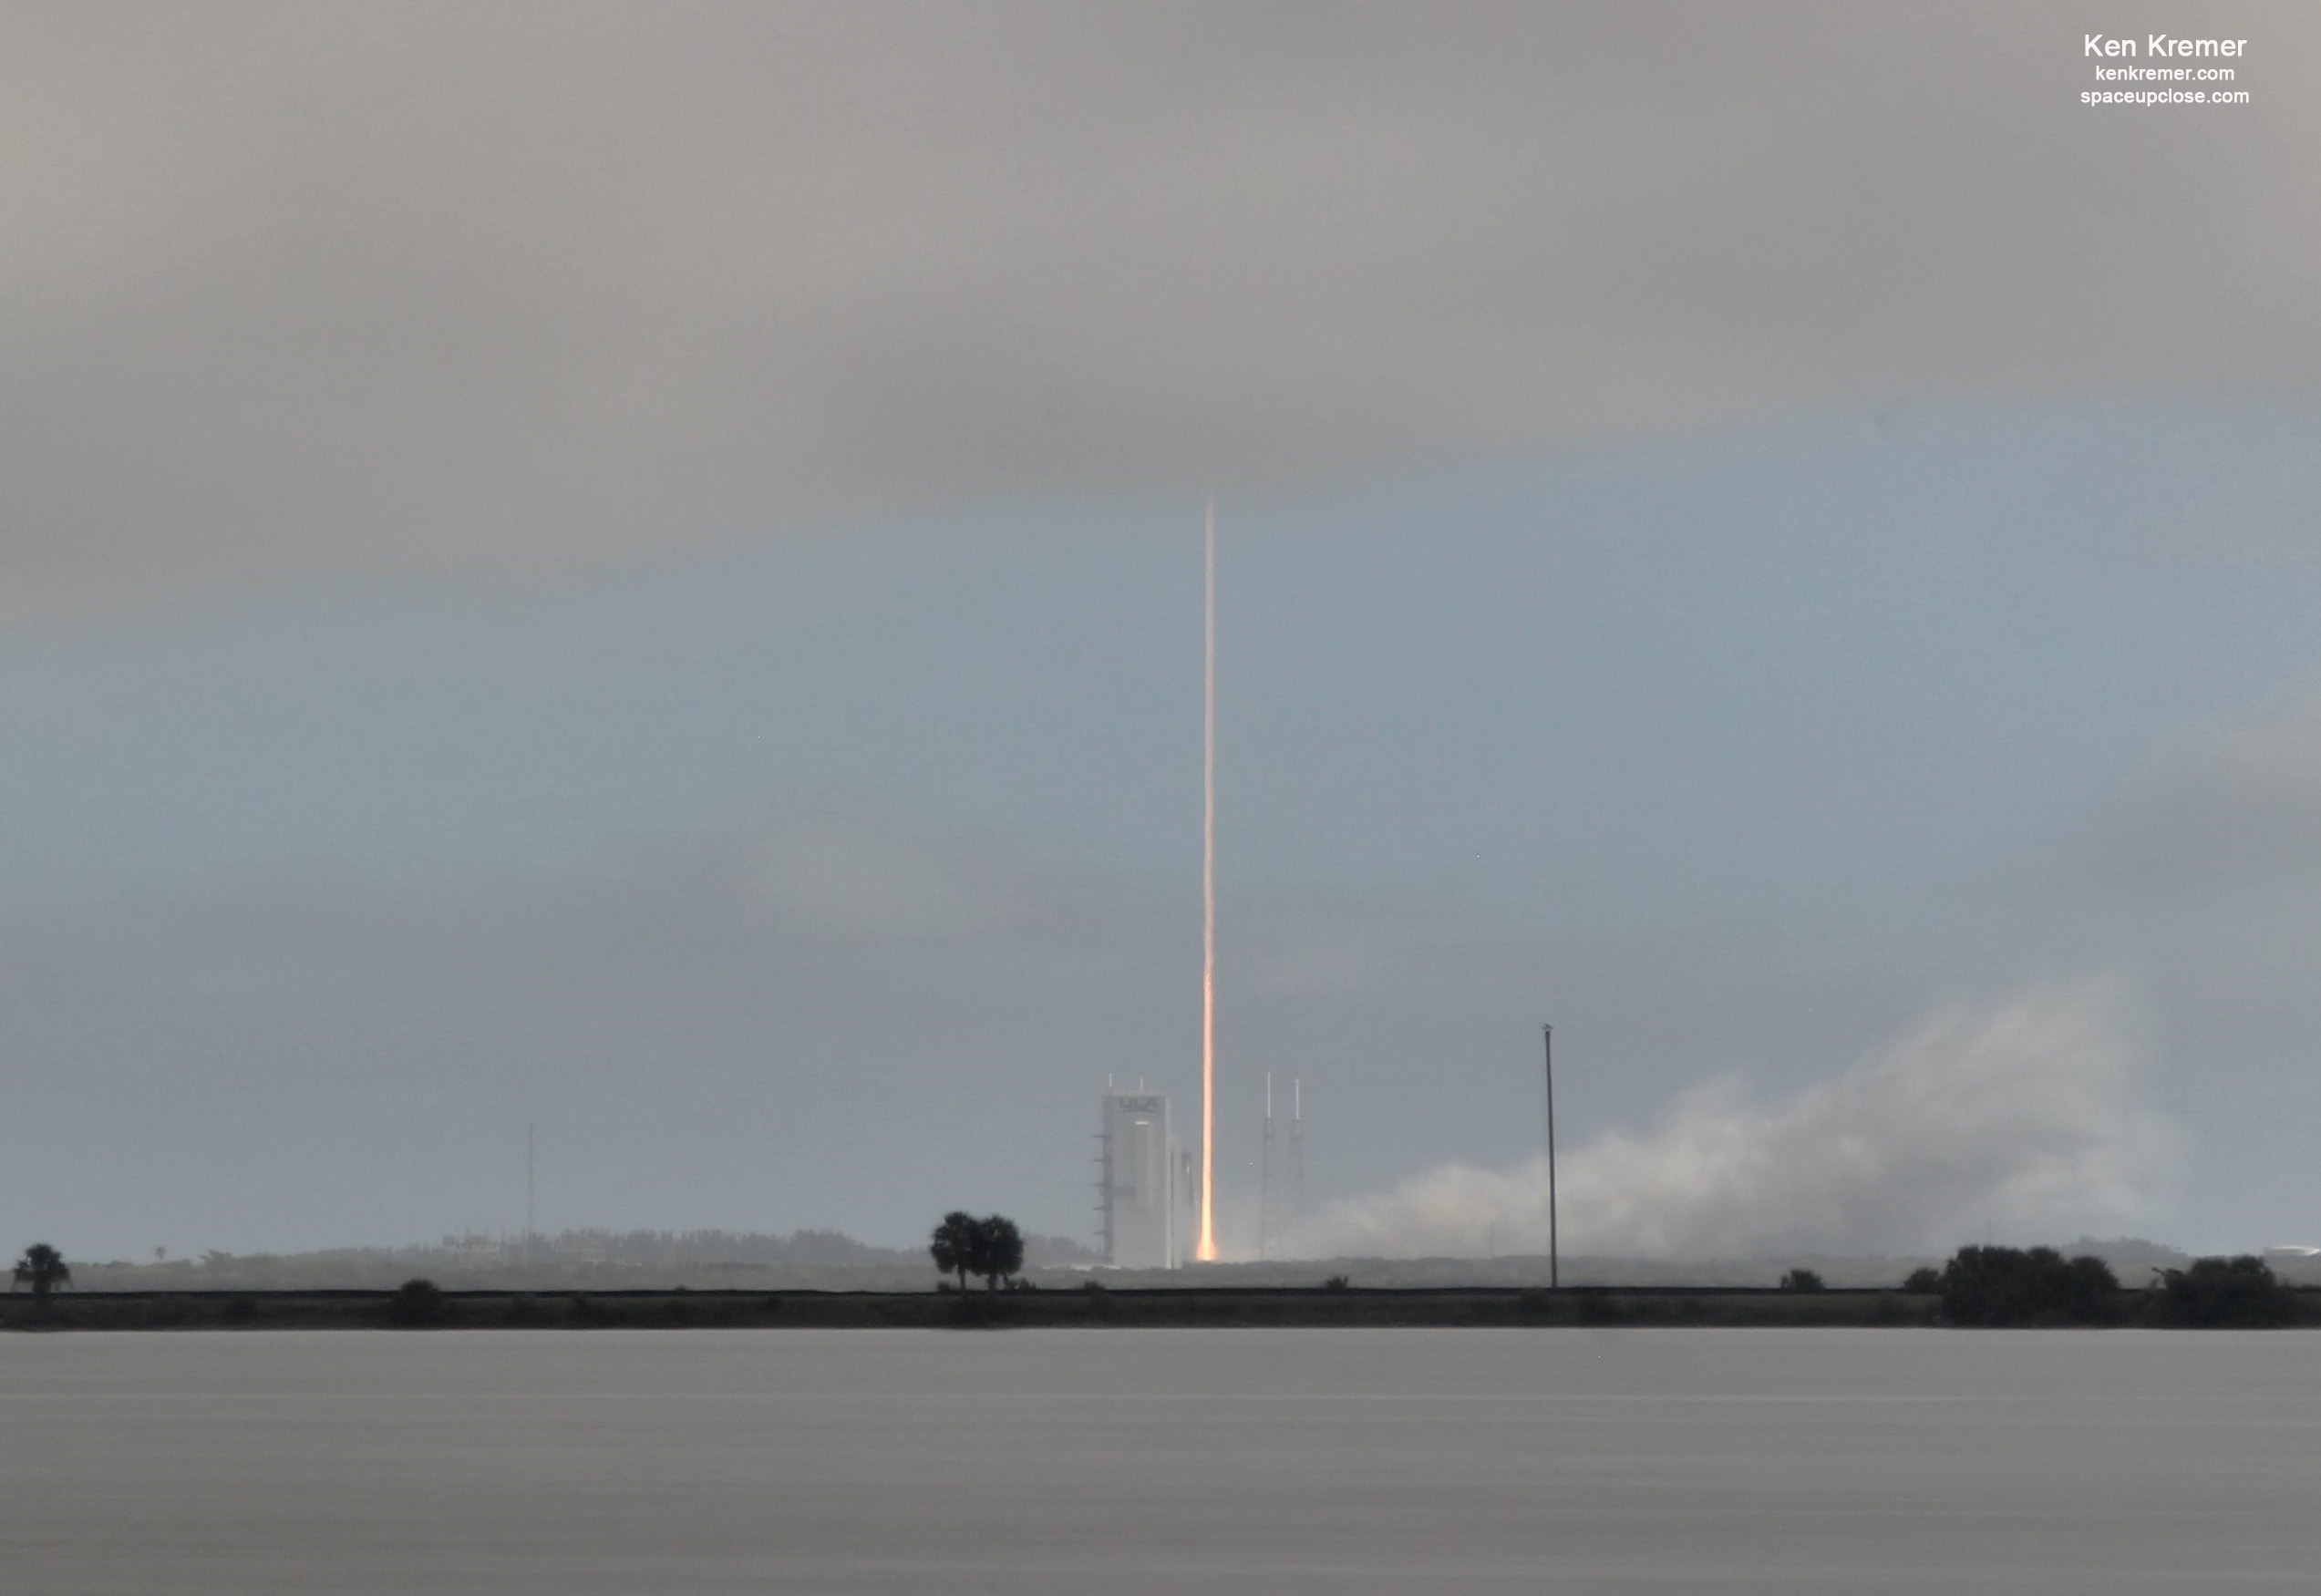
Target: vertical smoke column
[{"x": 1207, "y": 1251}]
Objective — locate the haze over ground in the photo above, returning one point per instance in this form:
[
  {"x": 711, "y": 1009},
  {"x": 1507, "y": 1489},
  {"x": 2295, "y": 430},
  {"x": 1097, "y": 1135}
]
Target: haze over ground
[{"x": 639, "y": 570}]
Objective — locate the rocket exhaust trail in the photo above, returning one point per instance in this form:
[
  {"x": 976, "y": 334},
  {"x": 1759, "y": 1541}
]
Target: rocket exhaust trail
[{"x": 1207, "y": 1251}]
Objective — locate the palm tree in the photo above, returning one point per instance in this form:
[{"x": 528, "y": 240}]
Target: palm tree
[
  {"x": 43, "y": 1268},
  {"x": 956, "y": 1246},
  {"x": 1002, "y": 1255}
]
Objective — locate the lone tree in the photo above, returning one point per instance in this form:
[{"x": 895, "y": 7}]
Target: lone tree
[
  {"x": 990, "y": 1248},
  {"x": 1003, "y": 1251},
  {"x": 957, "y": 1245},
  {"x": 42, "y": 1267}
]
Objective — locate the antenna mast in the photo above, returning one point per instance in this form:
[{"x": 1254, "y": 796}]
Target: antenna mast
[{"x": 1547, "y": 1044}]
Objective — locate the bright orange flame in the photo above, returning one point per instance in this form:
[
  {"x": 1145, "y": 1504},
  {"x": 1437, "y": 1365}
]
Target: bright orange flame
[{"x": 1207, "y": 1251}]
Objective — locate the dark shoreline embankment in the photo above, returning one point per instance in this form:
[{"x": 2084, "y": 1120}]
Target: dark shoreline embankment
[{"x": 1286, "y": 1307}]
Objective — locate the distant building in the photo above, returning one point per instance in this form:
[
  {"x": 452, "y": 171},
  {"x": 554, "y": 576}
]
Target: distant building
[{"x": 1142, "y": 1182}]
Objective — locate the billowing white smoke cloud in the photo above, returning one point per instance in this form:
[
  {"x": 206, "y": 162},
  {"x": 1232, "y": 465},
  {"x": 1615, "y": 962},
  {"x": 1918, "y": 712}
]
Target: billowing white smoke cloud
[{"x": 2028, "y": 1115}]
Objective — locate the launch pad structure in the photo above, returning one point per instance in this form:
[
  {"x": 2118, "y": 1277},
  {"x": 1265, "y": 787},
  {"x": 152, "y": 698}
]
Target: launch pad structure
[{"x": 1146, "y": 1182}]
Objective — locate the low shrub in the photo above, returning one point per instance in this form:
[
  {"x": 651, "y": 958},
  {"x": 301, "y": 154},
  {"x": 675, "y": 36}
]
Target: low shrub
[
  {"x": 1601, "y": 1308},
  {"x": 981, "y": 1310},
  {"x": 1889, "y": 1310},
  {"x": 415, "y": 1303}
]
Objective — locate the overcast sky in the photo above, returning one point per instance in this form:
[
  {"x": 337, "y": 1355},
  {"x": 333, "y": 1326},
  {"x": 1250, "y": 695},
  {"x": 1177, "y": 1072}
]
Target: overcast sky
[{"x": 638, "y": 567}]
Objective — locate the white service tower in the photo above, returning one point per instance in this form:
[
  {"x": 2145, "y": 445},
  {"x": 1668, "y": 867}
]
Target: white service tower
[{"x": 1141, "y": 1173}]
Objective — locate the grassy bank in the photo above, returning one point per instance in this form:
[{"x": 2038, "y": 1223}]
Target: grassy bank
[
  {"x": 1287, "y": 1307},
  {"x": 492, "y": 1310}
]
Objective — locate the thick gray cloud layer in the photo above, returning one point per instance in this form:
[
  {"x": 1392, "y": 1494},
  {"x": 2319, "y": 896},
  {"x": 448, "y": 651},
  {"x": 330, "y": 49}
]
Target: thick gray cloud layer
[{"x": 294, "y": 288}]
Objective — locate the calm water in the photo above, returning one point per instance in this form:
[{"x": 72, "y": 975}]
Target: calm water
[{"x": 1126, "y": 1461}]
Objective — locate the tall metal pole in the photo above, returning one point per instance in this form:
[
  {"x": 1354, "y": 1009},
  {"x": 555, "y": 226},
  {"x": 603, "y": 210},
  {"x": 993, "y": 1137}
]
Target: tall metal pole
[
  {"x": 1555, "y": 1265},
  {"x": 529, "y": 1128}
]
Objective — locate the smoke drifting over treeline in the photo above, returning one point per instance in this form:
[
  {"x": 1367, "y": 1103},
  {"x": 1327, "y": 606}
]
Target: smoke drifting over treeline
[{"x": 2025, "y": 1116}]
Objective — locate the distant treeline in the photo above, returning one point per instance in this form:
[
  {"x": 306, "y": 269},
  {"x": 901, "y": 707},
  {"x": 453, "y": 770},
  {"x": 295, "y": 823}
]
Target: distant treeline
[
  {"x": 808, "y": 1249},
  {"x": 574, "y": 1258},
  {"x": 813, "y": 1249},
  {"x": 2000, "y": 1287}
]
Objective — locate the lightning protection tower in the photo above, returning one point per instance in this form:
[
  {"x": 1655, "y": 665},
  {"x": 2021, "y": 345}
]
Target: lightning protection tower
[
  {"x": 1266, "y": 1216},
  {"x": 1297, "y": 1149}
]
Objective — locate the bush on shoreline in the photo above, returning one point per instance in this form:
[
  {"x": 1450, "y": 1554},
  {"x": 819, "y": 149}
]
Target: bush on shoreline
[
  {"x": 417, "y": 1303},
  {"x": 1996, "y": 1287},
  {"x": 2224, "y": 1294}
]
